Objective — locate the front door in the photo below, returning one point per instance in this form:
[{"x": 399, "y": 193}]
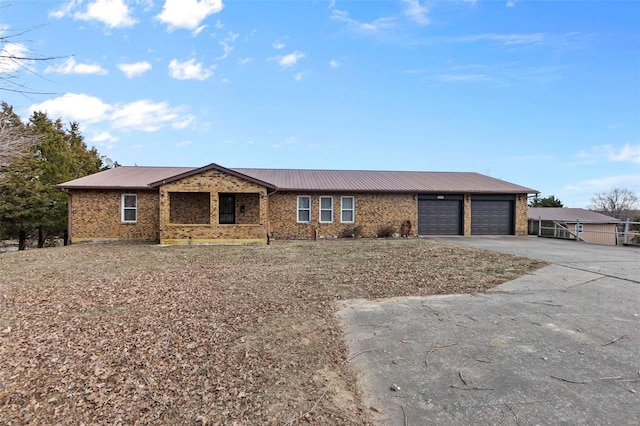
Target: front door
[{"x": 227, "y": 209}]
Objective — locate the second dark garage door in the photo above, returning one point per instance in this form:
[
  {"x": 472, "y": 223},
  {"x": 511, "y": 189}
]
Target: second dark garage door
[
  {"x": 440, "y": 215},
  {"x": 492, "y": 215}
]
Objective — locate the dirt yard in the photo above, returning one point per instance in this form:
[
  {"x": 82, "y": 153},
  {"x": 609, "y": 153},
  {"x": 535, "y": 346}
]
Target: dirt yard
[{"x": 125, "y": 333}]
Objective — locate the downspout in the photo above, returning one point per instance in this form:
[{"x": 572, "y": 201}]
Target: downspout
[
  {"x": 268, "y": 210},
  {"x": 68, "y": 239}
]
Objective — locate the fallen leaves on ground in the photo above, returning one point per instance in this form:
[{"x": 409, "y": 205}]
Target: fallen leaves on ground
[{"x": 128, "y": 333}]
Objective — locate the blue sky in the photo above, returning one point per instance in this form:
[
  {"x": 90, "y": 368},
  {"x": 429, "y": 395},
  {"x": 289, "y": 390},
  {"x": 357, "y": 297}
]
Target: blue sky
[{"x": 545, "y": 94}]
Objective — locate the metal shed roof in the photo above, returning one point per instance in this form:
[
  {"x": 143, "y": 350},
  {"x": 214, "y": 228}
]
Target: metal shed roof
[
  {"x": 564, "y": 214},
  {"x": 128, "y": 177}
]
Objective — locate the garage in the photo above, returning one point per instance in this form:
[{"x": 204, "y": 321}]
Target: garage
[
  {"x": 440, "y": 215},
  {"x": 492, "y": 215}
]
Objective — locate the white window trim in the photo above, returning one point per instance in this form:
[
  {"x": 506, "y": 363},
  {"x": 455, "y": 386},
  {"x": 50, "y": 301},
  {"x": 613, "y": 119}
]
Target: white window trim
[
  {"x": 352, "y": 209},
  {"x": 320, "y": 209},
  {"x": 298, "y": 209},
  {"x": 122, "y": 208}
]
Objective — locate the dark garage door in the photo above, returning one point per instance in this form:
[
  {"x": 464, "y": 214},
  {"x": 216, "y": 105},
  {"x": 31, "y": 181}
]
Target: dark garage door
[
  {"x": 440, "y": 216},
  {"x": 491, "y": 217}
]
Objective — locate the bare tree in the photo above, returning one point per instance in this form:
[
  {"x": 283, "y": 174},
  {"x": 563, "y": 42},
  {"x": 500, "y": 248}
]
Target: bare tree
[
  {"x": 616, "y": 202},
  {"x": 17, "y": 58},
  {"x": 15, "y": 138}
]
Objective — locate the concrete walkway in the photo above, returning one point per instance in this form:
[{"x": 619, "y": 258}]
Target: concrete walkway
[{"x": 560, "y": 346}]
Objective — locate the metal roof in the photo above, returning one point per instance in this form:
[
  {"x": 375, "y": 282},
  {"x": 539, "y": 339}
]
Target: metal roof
[
  {"x": 124, "y": 177},
  {"x": 212, "y": 166},
  {"x": 564, "y": 214},
  {"x": 128, "y": 177},
  {"x": 384, "y": 181}
]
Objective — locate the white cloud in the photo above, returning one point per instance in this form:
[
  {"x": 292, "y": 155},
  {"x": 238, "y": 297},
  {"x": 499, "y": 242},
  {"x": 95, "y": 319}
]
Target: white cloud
[
  {"x": 65, "y": 9},
  {"x": 198, "y": 30},
  {"x": 244, "y": 61},
  {"x": 299, "y": 76},
  {"x": 462, "y": 77},
  {"x": 219, "y": 24},
  {"x": 416, "y": 11},
  {"x": 7, "y": 55},
  {"x": 103, "y": 137},
  {"x": 145, "y": 115},
  {"x": 604, "y": 183},
  {"x": 188, "y": 14},
  {"x": 510, "y": 3},
  {"x": 290, "y": 60},
  {"x": 532, "y": 157},
  {"x": 628, "y": 152},
  {"x": 74, "y": 107},
  {"x": 113, "y": 13},
  {"x": 378, "y": 25},
  {"x": 288, "y": 141},
  {"x": 70, "y": 66},
  {"x": 278, "y": 45},
  {"x": 227, "y": 44},
  {"x": 183, "y": 144},
  {"x": 189, "y": 70},
  {"x": 334, "y": 64},
  {"x": 135, "y": 69},
  {"x": 498, "y": 73},
  {"x": 580, "y": 194},
  {"x": 183, "y": 122},
  {"x": 506, "y": 39}
]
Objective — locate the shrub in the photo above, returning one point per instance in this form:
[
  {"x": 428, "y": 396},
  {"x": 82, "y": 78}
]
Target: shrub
[
  {"x": 386, "y": 231},
  {"x": 351, "y": 232}
]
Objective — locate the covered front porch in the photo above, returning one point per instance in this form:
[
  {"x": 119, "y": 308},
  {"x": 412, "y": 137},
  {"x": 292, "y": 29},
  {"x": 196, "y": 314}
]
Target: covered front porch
[{"x": 213, "y": 207}]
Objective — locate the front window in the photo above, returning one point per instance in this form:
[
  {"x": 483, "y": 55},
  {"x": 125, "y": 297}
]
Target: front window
[
  {"x": 129, "y": 208},
  {"x": 304, "y": 209},
  {"x": 348, "y": 209},
  {"x": 326, "y": 209}
]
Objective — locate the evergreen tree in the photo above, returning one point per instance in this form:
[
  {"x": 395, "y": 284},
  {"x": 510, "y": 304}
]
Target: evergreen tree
[
  {"x": 550, "y": 201},
  {"x": 29, "y": 199}
]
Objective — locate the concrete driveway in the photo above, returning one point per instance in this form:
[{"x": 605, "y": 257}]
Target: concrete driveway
[{"x": 560, "y": 346}]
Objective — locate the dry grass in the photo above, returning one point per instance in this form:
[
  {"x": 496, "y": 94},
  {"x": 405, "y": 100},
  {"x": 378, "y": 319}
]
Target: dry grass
[{"x": 123, "y": 334}]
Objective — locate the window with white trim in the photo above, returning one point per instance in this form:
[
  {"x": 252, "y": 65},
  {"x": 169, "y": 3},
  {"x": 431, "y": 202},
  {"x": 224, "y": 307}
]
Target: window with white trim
[
  {"x": 304, "y": 209},
  {"x": 129, "y": 211},
  {"x": 347, "y": 209},
  {"x": 326, "y": 209}
]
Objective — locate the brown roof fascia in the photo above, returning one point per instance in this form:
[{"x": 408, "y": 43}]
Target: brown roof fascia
[
  {"x": 399, "y": 191},
  {"x": 212, "y": 166},
  {"x": 91, "y": 187}
]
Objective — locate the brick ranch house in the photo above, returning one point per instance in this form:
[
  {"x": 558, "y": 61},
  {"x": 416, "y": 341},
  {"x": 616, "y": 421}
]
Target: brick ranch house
[{"x": 178, "y": 205}]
